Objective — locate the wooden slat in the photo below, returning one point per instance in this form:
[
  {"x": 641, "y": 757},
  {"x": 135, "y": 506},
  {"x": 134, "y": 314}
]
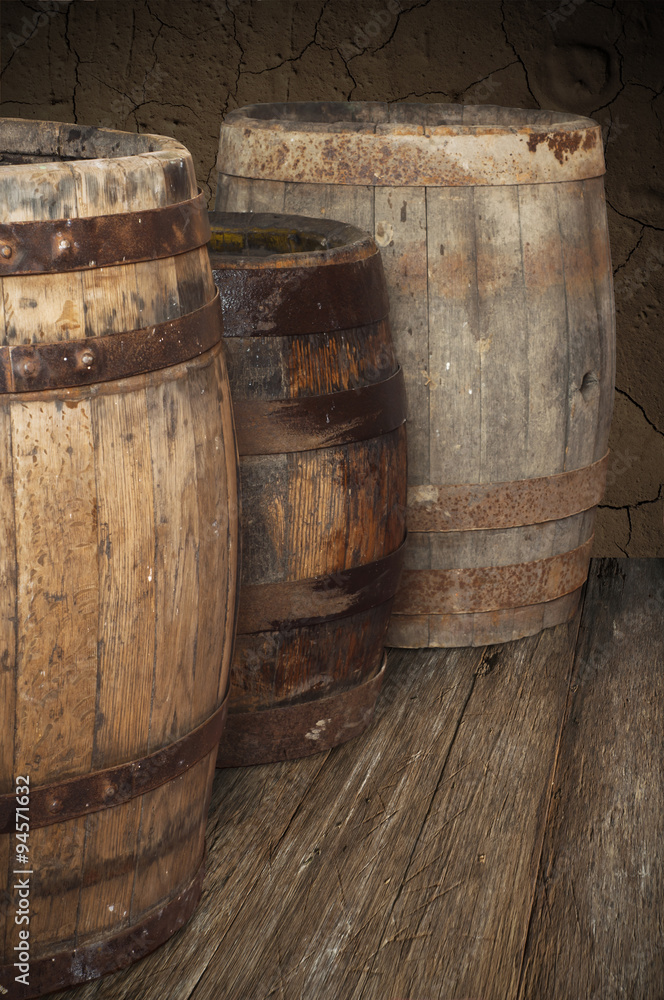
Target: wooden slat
[
  {"x": 546, "y": 363},
  {"x": 459, "y": 923},
  {"x": 56, "y": 548},
  {"x": 503, "y": 336},
  {"x": 176, "y": 556},
  {"x": 347, "y": 847},
  {"x": 400, "y": 228},
  {"x": 240, "y": 194},
  {"x": 596, "y": 922},
  {"x": 216, "y": 564},
  {"x": 353, "y": 203},
  {"x": 595, "y": 205},
  {"x": 316, "y": 531},
  {"x": 583, "y": 332},
  {"x": 453, "y": 316},
  {"x": 405, "y": 864}
]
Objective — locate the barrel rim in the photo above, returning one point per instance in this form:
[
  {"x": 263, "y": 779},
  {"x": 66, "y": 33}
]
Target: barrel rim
[
  {"x": 147, "y": 143},
  {"x": 353, "y": 243},
  {"x": 402, "y": 154},
  {"x": 99, "y": 152},
  {"x": 563, "y": 121}
]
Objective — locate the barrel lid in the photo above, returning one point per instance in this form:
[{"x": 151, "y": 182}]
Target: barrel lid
[
  {"x": 54, "y": 170},
  {"x": 408, "y": 144}
]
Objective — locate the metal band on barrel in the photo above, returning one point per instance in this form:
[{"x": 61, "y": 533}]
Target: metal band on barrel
[
  {"x": 275, "y": 426},
  {"x": 271, "y": 607},
  {"x": 293, "y": 301},
  {"x": 71, "y": 363},
  {"x": 54, "y": 246},
  {"x": 69, "y": 968},
  {"x": 288, "y": 731},
  {"x": 492, "y": 588},
  {"x": 476, "y": 506},
  {"x": 92, "y": 792}
]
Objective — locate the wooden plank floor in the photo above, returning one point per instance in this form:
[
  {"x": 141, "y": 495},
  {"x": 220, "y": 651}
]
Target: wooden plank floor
[{"x": 497, "y": 834}]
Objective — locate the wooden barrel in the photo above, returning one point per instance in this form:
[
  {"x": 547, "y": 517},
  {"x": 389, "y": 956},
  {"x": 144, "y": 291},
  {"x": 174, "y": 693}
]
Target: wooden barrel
[
  {"x": 492, "y": 227},
  {"x": 118, "y": 548},
  {"x": 319, "y": 409}
]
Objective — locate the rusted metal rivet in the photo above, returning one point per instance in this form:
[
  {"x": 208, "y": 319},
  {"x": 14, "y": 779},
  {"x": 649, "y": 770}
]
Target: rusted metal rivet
[
  {"x": 110, "y": 791},
  {"x": 55, "y": 806},
  {"x": 64, "y": 245},
  {"x": 6, "y": 251},
  {"x": 29, "y": 367},
  {"x": 87, "y": 358}
]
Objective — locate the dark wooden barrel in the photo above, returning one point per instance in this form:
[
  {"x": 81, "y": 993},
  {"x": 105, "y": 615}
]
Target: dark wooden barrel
[
  {"x": 492, "y": 228},
  {"x": 118, "y": 548},
  {"x": 319, "y": 411}
]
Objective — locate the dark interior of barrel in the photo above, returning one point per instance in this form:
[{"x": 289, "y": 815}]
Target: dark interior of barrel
[
  {"x": 25, "y": 142},
  {"x": 265, "y": 242},
  {"x": 13, "y": 159}
]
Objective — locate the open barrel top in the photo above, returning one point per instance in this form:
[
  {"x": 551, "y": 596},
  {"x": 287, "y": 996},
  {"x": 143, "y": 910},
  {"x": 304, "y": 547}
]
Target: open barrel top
[
  {"x": 264, "y": 239},
  {"x": 80, "y": 171},
  {"x": 406, "y": 143}
]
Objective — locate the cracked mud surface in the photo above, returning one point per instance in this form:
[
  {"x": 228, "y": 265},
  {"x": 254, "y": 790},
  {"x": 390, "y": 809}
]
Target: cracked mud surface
[{"x": 176, "y": 68}]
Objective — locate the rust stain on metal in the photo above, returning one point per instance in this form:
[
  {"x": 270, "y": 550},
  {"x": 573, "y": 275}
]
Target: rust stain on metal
[
  {"x": 72, "y": 363},
  {"x": 561, "y": 144},
  {"x": 291, "y": 731},
  {"x": 492, "y": 588},
  {"x": 477, "y": 506},
  {"x": 328, "y": 278},
  {"x": 59, "y": 245},
  {"x": 411, "y": 152},
  {"x": 69, "y": 968},
  {"x": 92, "y": 792},
  {"x": 277, "y": 426}
]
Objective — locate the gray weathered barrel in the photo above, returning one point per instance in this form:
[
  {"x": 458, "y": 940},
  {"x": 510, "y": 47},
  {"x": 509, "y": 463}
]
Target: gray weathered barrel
[{"x": 492, "y": 225}]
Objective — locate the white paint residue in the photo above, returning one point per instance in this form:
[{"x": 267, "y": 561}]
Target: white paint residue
[
  {"x": 422, "y": 494},
  {"x": 470, "y": 392},
  {"x": 320, "y": 727},
  {"x": 149, "y": 574},
  {"x": 447, "y": 367}
]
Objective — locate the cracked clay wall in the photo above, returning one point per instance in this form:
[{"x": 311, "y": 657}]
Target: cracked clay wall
[{"x": 176, "y": 66}]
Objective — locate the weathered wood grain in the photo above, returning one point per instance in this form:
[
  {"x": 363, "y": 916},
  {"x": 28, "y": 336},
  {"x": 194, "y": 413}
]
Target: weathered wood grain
[
  {"x": 57, "y": 616},
  {"x": 400, "y": 227},
  {"x": 107, "y": 494},
  {"x": 500, "y": 291},
  {"x": 596, "y": 924},
  {"x": 405, "y": 864},
  {"x": 459, "y": 922},
  {"x": 316, "y": 509}
]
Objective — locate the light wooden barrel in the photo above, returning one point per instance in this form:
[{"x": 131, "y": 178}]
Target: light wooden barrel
[
  {"x": 492, "y": 227},
  {"x": 118, "y": 548},
  {"x": 319, "y": 409}
]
